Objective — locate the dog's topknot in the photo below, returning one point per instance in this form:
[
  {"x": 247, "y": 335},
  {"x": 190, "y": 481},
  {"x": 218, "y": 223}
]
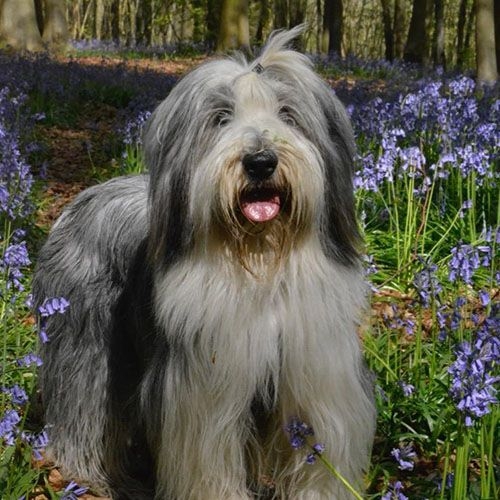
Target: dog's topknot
[{"x": 276, "y": 52}]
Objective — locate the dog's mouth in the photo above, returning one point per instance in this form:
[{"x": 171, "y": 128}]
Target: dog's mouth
[{"x": 260, "y": 204}]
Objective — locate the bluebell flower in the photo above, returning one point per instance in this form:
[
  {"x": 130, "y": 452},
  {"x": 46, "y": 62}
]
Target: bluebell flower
[
  {"x": 405, "y": 456},
  {"x": 8, "y": 426},
  {"x": 298, "y": 435},
  {"x": 13, "y": 260},
  {"x": 484, "y": 297},
  {"x": 38, "y": 442},
  {"x": 464, "y": 262},
  {"x": 29, "y": 360},
  {"x": 298, "y": 431},
  {"x": 52, "y": 306},
  {"x": 473, "y": 384},
  {"x": 395, "y": 492},
  {"x": 17, "y": 394},
  {"x": 318, "y": 449},
  {"x": 408, "y": 389},
  {"x": 426, "y": 282},
  {"x": 73, "y": 491}
]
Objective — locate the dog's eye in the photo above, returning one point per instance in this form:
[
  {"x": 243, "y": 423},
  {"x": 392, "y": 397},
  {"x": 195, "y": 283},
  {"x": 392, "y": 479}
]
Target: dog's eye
[
  {"x": 222, "y": 118},
  {"x": 286, "y": 116}
]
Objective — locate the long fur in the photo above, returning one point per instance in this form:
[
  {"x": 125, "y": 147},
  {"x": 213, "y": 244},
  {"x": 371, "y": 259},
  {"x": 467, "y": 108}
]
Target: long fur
[{"x": 193, "y": 335}]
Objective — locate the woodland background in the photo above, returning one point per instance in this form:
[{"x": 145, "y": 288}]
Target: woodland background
[{"x": 445, "y": 33}]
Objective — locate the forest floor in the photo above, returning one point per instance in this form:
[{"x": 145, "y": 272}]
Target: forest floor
[{"x": 76, "y": 154}]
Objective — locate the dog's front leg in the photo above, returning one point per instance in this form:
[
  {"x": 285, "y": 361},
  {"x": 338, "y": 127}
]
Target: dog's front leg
[{"x": 200, "y": 448}]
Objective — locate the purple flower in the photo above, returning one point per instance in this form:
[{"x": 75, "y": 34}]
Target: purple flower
[
  {"x": 473, "y": 385},
  {"x": 405, "y": 457},
  {"x": 8, "y": 426},
  {"x": 17, "y": 394},
  {"x": 14, "y": 259},
  {"x": 318, "y": 449},
  {"x": 408, "y": 389},
  {"x": 52, "y": 306},
  {"x": 426, "y": 283},
  {"x": 394, "y": 492},
  {"x": 38, "y": 442},
  {"x": 73, "y": 491},
  {"x": 484, "y": 297},
  {"x": 29, "y": 360},
  {"x": 464, "y": 262},
  {"x": 297, "y": 432}
]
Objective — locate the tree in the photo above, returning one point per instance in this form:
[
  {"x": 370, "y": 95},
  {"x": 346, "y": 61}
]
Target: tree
[
  {"x": 18, "y": 25},
  {"x": 416, "y": 44},
  {"x": 388, "y": 30},
  {"x": 438, "y": 38},
  {"x": 399, "y": 29},
  {"x": 20, "y": 28},
  {"x": 233, "y": 29},
  {"x": 333, "y": 26},
  {"x": 485, "y": 42},
  {"x": 497, "y": 33}
]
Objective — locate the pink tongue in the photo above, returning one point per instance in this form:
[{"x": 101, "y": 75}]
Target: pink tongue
[{"x": 262, "y": 210}]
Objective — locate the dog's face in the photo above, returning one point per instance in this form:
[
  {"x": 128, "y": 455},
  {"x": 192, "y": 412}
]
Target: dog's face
[{"x": 253, "y": 159}]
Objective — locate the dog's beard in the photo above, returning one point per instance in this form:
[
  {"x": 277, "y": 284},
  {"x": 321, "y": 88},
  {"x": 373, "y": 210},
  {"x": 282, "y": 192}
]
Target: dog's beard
[{"x": 260, "y": 223}]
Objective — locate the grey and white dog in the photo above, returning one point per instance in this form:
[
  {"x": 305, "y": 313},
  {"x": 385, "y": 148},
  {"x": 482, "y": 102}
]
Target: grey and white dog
[{"x": 214, "y": 298}]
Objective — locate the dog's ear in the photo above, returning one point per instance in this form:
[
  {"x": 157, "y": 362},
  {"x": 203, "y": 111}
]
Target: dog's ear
[
  {"x": 170, "y": 231},
  {"x": 339, "y": 227}
]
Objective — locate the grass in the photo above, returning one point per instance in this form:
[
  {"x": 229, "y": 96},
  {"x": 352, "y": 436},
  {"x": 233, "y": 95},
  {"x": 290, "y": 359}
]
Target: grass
[{"x": 427, "y": 198}]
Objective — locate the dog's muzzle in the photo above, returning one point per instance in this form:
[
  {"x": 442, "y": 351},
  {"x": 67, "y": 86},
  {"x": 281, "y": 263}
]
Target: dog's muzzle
[{"x": 260, "y": 203}]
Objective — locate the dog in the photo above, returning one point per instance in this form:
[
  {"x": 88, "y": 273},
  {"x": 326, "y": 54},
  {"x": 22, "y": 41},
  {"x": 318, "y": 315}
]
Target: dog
[{"x": 215, "y": 298}]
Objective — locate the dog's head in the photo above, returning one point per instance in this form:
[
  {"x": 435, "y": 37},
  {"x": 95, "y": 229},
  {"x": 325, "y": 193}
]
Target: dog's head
[{"x": 254, "y": 158}]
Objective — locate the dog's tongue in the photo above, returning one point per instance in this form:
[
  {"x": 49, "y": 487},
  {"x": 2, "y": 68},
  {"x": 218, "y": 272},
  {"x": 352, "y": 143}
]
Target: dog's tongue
[{"x": 261, "y": 210}]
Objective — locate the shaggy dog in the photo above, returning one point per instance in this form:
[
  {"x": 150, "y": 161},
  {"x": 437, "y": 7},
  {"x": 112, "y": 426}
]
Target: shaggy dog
[{"x": 215, "y": 298}]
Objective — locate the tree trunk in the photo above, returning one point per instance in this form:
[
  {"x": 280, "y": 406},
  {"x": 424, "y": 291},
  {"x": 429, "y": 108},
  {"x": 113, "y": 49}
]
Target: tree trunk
[
  {"x": 297, "y": 12},
  {"x": 399, "y": 29},
  {"x": 485, "y": 42},
  {"x": 280, "y": 14},
  {"x": 333, "y": 26},
  {"x": 18, "y": 25},
  {"x": 39, "y": 14},
  {"x": 197, "y": 20},
  {"x": 462, "y": 13},
  {"x": 55, "y": 26},
  {"x": 263, "y": 21},
  {"x": 212, "y": 21},
  {"x": 416, "y": 44},
  {"x": 233, "y": 31},
  {"x": 497, "y": 33},
  {"x": 438, "y": 55},
  {"x": 115, "y": 20},
  {"x": 388, "y": 29},
  {"x": 98, "y": 19}
]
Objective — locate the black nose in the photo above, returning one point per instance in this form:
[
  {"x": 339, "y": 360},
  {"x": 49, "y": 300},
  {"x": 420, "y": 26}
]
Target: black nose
[{"x": 261, "y": 165}]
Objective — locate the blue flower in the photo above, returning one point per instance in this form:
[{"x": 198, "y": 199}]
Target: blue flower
[
  {"x": 408, "y": 389},
  {"x": 52, "y": 306},
  {"x": 405, "y": 457},
  {"x": 8, "y": 426},
  {"x": 29, "y": 360},
  {"x": 318, "y": 449},
  {"x": 298, "y": 431},
  {"x": 394, "y": 492},
  {"x": 17, "y": 394},
  {"x": 73, "y": 491},
  {"x": 473, "y": 385},
  {"x": 426, "y": 283}
]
